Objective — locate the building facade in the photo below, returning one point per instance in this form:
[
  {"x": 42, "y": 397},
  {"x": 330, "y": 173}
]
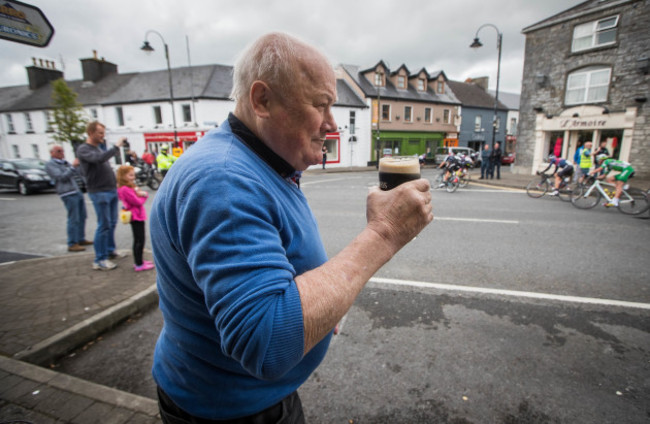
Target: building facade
[
  {"x": 411, "y": 113},
  {"x": 138, "y": 106},
  {"x": 586, "y": 79}
]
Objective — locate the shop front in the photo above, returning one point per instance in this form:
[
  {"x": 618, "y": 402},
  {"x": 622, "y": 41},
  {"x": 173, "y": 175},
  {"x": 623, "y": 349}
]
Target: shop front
[
  {"x": 562, "y": 135},
  {"x": 395, "y": 143},
  {"x": 184, "y": 139}
]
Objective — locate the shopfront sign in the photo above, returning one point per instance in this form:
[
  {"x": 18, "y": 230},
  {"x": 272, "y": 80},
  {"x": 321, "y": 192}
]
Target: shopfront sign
[
  {"x": 160, "y": 137},
  {"x": 24, "y": 23},
  {"x": 577, "y": 123}
]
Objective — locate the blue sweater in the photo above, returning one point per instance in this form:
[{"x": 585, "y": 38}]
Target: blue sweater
[{"x": 229, "y": 235}]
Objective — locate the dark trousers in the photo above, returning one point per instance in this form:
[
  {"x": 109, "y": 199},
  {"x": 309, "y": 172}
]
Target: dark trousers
[
  {"x": 497, "y": 165},
  {"x": 137, "y": 227},
  {"x": 287, "y": 411}
]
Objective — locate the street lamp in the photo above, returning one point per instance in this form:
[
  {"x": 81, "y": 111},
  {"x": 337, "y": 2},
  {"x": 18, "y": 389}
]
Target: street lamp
[
  {"x": 476, "y": 44},
  {"x": 146, "y": 47},
  {"x": 379, "y": 78}
]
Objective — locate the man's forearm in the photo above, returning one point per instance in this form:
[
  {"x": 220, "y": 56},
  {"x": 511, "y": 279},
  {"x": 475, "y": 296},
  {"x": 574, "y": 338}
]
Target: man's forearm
[{"x": 327, "y": 292}]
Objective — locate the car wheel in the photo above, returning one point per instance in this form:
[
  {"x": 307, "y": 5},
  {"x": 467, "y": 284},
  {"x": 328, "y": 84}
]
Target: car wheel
[{"x": 22, "y": 188}]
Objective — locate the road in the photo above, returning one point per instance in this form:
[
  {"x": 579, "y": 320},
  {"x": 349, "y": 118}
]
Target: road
[{"x": 505, "y": 309}]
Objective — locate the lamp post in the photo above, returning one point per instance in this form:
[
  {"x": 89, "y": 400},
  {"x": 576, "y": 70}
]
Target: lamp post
[
  {"x": 146, "y": 47},
  {"x": 476, "y": 44},
  {"x": 379, "y": 78}
]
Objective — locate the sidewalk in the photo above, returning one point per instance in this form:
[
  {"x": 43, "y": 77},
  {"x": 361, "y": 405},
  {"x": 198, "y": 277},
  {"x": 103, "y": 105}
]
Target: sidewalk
[{"x": 49, "y": 306}]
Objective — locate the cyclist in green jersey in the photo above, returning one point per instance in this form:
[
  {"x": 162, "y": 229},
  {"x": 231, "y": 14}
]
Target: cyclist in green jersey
[{"x": 619, "y": 180}]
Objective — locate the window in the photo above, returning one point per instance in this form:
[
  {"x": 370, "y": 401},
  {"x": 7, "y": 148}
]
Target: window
[
  {"x": 446, "y": 117},
  {"x": 588, "y": 85},
  {"x": 47, "y": 115},
  {"x": 120, "y": 116},
  {"x": 496, "y": 123},
  {"x": 594, "y": 34},
  {"x": 401, "y": 81},
  {"x": 35, "y": 150},
  {"x": 427, "y": 114},
  {"x": 10, "y": 124},
  {"x": 513, "y": 126},
  {"x": 408, "y": 117},
  {"x": 421, "y": 84},
  {"x": 477, "y": 123},
  {"x": 16, "y": 151},
  {"x": 157, "y": 115},
  {"x": 29, "y": 126},
  {"x": 441, "y": 87},
  {"x": 385, "y": 112},
  {"x": 187, "y": 113},
  {"x": 379, "y": 79},
  {"x": 353, "y": 119},
  {"x": 93, "y": 113}
]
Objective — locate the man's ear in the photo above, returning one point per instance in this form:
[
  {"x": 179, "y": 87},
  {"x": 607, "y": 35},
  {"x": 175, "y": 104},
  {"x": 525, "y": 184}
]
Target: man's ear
[{"x": 260, "y": 98}]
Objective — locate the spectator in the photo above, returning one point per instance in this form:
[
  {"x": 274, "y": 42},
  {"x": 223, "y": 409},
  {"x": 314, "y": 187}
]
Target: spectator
[
  {"x": 65, "y": 176},
  {"x": 248, "y": 296},
  {"x": 495, "y": 160},
  {"x": 485, "y": 161},
  {"x": 102, "y": 189},
  {"x": 164, "y": 160}
]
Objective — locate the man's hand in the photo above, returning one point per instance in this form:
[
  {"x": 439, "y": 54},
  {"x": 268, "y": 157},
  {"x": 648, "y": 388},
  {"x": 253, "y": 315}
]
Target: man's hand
[
  {"x": 75, "y": 162},
  {"x": 120, "y": 142},
  {"x": 398, "y": 215}
]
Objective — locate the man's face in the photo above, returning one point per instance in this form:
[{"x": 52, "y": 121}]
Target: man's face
[
  {"x": 57, "y": 153},
  {"x": 300, "y": 119},
  {"x": 97, "y": 137}
]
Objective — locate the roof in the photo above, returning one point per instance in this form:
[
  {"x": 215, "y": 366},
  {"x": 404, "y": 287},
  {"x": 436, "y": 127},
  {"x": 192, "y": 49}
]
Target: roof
[
  {"x": 582, "y": 9},
  {"x": 389, "y": 91},
  {"x": 200, "y": 82},
  {"x": 511, "y": 100},
  {"x": 471, "y": 95}
]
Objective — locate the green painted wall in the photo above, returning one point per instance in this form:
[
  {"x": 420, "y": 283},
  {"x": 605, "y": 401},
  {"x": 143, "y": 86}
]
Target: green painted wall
[{"x": 407, "y": 143}]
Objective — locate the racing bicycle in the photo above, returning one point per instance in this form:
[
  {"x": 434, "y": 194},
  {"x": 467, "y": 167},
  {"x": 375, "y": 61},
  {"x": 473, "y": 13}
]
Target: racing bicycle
[
  {"x": 539, "y": 187},
  {"x": 633, "y": 201}
]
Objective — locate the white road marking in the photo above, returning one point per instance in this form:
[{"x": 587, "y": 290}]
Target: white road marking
[
  {"x": 7, "y": 198},
  {"x": 324, "y": 181},
  {"x": 497, "y": 221},
  {"x": 513, "y": 293}
]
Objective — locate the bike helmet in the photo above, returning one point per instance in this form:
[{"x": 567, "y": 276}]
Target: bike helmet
[
  {"x": 601, "y": 157},
  {"x": 551, "y": 158}
]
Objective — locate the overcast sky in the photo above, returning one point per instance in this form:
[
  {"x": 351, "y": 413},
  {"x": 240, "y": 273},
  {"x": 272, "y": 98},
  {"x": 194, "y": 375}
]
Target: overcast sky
[{"x": 418, "y": 33}]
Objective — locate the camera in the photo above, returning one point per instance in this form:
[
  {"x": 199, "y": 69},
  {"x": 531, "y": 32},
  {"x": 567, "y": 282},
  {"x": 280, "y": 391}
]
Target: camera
[{"x": 126, "y": 144}]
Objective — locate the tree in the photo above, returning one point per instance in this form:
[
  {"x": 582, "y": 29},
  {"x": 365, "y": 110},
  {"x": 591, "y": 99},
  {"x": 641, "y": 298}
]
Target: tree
[{"x": 67, "y": 115}]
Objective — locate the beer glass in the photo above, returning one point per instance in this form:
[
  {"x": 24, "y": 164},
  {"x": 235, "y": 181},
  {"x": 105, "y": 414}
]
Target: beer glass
[{"x": 396, "y": 170}]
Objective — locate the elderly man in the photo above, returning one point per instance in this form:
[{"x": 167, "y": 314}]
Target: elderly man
[
  {"x": 102, "y": 189},
  {"x": 248, "y": 296},
  {"x": 65, "y": 177}
]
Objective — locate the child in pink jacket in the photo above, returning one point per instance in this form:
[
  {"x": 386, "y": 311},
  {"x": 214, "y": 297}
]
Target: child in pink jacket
[{"x": 133, "y": 200}]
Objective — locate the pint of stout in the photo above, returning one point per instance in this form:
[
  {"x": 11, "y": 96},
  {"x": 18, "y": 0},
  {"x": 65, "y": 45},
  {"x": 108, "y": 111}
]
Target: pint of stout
[{"x": 396, "y": 170}]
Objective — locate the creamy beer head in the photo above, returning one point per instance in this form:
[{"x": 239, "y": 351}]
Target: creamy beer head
[{"x": 396, "y": 170}]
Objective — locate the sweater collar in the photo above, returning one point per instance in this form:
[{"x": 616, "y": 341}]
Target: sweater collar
[{"x": 242, "y": 132}]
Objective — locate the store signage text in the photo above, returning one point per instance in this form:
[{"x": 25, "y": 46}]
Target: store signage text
[{"x": 582, "y": 123}]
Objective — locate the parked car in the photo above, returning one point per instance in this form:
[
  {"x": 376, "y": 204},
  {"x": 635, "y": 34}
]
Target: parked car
[
  {"x": 442, "y": 152},
  {"x": 24, "y": 175},
  {"x": 508, "y": 159}
]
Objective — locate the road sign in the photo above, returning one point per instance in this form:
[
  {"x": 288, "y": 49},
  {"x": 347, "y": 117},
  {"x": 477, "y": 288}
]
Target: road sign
[{"x": 24, "y": 23}]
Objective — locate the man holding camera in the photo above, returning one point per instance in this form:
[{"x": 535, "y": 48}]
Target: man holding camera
[{"x": 102, "y": 189}]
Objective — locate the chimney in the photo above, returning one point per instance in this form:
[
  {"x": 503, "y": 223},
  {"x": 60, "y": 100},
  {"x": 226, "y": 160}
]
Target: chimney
[
  {"x": 40, "y": 75},
  {"x": 94, "y": 69},
  {"x": 481, "y": 82}
]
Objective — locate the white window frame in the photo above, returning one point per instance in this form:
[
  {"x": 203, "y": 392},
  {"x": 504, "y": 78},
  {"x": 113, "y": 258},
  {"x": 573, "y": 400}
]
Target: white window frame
[
  {"x": 477, "y": 123},
  {"x": 353, "y": 122},
  {"x": 591, "y": 32},
  {"x": 401, "y": 81},
  {"x": 428, "y": 119},
  {"x": 574, "y": 86},
  {"x": 379, "y": 79},
  {"x": 119, "y": 116},
  {"x": 35, "y": 151},
  {"x": 187, "y": 112},
  {"x": 48, "y": 121},
  {"x": 29, "y": 125},
  {"x": 421, "y": 85},
  {"x": 446, "y": 116},
  {"x": 381, "y": 113},
  {"x": 441, "y": 87},
  {"x": 408, "y": 113},
  {"x": 157, "y": 113},
  {"x": 11, "y": 129}
]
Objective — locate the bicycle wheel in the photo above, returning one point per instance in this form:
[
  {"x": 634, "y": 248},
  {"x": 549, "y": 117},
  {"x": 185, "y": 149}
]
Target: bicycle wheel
[
  {"x": 633, "y": 202},
  {"x": 537, "y": 188},
  {"x": 566, "y": 192},
  {"x": 583, "y": 197},
  {"x": 452, "y": 184},
  {"x": 463, "y": 180}
]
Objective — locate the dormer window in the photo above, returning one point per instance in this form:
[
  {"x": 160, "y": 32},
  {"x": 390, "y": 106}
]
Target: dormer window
[
  {"x": 379, "y": 79},
  {"x": 441, "y": 87},
  {"x": 401, "y": 81},
  {"x": 594, "y": 34},
  {"x": 421, "y": 84}
]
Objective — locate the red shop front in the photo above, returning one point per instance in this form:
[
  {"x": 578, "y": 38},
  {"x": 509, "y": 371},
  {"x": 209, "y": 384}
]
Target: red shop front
[{"x": 153, "y": 141}]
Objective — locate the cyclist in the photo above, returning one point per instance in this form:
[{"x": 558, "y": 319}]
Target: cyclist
[
  {"x": 565, "y": 170},
  {"x": 450, "y": 164},
  {"x": 603, "y": 163}
]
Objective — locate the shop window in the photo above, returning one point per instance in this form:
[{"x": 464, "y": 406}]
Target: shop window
[
  {"x": 594, "y": 34},
  {"x": 589, "y": 85}
]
